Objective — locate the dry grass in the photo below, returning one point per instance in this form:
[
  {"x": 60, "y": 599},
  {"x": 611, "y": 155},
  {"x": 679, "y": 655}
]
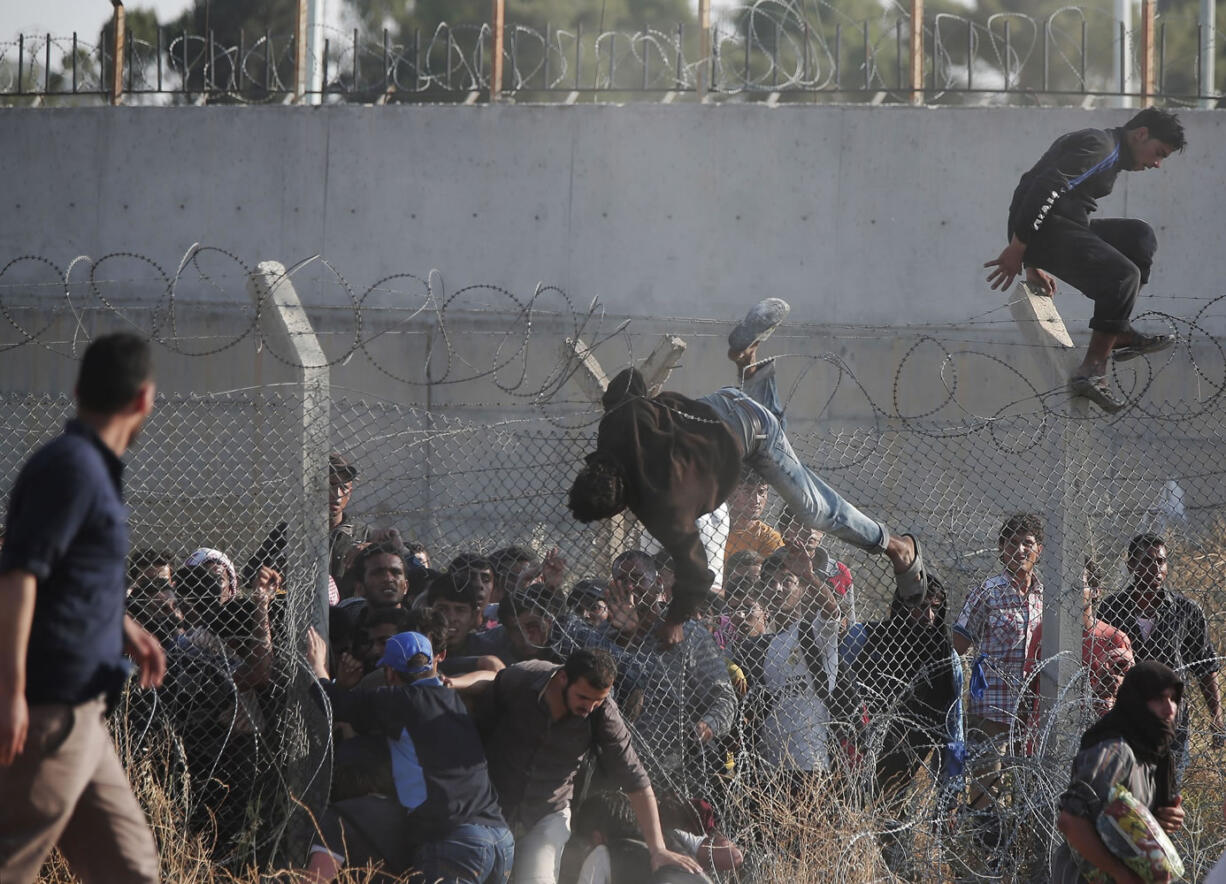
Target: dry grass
[
  {"x": 802, "y": 831},
  {"x": 187, "y": 859}
]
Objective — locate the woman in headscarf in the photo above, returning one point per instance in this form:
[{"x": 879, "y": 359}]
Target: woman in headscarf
[{"x": 1128, "y": 745}]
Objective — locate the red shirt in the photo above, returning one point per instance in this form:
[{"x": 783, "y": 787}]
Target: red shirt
[{"x": 1107, "y": 653}]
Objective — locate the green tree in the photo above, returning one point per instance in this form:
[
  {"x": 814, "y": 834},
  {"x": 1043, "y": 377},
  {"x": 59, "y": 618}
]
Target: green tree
[
  {"x": 403, "y": 16},
  {"x": 852, "y": 46},
  {"x": 448, "y": 37},
  {"x": 1060, "y": 27},
  {"x": 237, "y": 57},
  {"x": 141, "y": 29}
]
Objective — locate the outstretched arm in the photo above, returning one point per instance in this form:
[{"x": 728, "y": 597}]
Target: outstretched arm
[
  {"x": 648, "y": 815},
  {"x": 817, "y": 587},
  {"x": 692, "y": 578}
]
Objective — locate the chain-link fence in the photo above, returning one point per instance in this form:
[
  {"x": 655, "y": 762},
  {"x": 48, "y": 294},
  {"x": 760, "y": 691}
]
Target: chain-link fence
[{"x": 822, "y": 724}]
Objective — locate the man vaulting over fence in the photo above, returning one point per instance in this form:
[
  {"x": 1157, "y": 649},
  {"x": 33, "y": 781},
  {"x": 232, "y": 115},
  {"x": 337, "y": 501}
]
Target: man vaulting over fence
[
  {"x": 1050, "y": 232},
  {"x": 670, "y": 459}
]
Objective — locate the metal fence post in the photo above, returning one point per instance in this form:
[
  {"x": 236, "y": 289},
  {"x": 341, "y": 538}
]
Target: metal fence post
[
  {"x": 118, "y": 44},
  {"x": 1208, "y": 46},
  {"x": 1147, "y": 52},
  {"x": 300, "y": 51},
  {"x": 275, "y": 297},
  {"x": 1068, "y": 530},
  {"x": 917, "y": 52},
  {"x": 1122, "y": 55},
  {"x": 704, "y": 47},
  {"x": 498, "y": 12}
]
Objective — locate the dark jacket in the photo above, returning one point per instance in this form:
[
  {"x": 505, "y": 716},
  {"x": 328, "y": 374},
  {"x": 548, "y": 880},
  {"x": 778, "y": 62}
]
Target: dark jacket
[
  {"x": 1068, "y": 179},
  {"x": 438, "y": 762},
  {"x": 680, "y": 462},
  {"x": 534, "y": 760},
  {"x": 68, "y": 526}
]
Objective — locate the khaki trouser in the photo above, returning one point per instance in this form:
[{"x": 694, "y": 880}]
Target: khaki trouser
[
  {"x": 67, "y": 787},
  {"x": 538, "y": 849}
]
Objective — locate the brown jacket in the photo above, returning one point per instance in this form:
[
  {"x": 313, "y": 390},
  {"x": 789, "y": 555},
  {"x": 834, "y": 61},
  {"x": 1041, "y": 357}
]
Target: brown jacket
[{"x": 680, "y": 462}]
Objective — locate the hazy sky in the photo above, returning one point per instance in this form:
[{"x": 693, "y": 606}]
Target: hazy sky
[{"x": 61, "y": 17}]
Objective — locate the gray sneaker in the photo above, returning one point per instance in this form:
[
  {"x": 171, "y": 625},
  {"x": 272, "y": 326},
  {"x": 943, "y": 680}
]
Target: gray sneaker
[
  {"x": 1095, "y": 389},
  {"x": 1142, "y": 345},
  {"x": 759, "y": 322}
]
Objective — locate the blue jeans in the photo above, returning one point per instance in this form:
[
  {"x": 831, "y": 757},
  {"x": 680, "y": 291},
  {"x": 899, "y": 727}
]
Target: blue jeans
[
  {"x": 470, "y": 854},
  {"x": 762, "y": 388},
  {"x": 768, "y": 453}
]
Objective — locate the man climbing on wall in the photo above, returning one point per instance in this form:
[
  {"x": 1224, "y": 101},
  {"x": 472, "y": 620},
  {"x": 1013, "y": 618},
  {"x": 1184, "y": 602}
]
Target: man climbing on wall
[{"x": 1108, "y": 259}]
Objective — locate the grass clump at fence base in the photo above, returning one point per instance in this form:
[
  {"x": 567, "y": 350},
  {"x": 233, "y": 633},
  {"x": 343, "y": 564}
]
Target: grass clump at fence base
[
  {"x": 800, "y": 827},
  {"x": 186, "y": 858},
  {"x": 799, "y": 834}
]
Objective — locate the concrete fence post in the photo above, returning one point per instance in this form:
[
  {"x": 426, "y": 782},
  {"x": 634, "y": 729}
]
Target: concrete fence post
[
  {"x": 291, "y": 330},
  {"x": 1053, "y": 357}
]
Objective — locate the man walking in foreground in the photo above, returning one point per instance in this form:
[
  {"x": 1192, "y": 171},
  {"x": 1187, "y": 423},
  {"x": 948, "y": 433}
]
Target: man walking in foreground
[
  {"x": 1050, "y": 232},
  {"x": 63, "y": 633}
]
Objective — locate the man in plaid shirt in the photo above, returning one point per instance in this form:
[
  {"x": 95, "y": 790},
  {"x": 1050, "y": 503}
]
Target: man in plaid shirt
[{"x": 1002, "y": 619}]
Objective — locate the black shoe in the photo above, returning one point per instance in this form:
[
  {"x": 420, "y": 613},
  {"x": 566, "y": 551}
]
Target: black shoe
[
  {"x": 1095, "y": 389},
  {"x": 1143, "y": 345}
]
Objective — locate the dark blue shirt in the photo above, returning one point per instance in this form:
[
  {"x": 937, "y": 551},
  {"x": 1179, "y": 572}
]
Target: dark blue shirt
[
  {"x": 438, "y": 762},
  {"x": 68, "y": 526}
]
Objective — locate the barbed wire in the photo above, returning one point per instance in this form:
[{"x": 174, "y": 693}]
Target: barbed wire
[
  {"x": 218, "y": 276},
  {"x": 768, "y": 46}
]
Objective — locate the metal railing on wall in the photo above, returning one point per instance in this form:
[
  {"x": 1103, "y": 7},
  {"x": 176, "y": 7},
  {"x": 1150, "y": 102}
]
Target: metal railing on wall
[{"x": 760, "y": 51}]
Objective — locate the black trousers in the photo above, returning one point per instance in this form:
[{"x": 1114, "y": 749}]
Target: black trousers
[{"x": 1108, "y": 260}]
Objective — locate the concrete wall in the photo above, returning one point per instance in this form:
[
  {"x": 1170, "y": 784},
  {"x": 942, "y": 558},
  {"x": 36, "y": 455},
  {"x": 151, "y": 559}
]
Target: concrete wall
[
  {"x": 859, "y": 215},
  {"x": 873, "y": 222}
]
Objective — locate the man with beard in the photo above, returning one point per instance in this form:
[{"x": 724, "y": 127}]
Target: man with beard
[
  {"x": 1167, "y": 626},
  {"x": 539, "y": 721},
  {"x": 380, "y": 575}
]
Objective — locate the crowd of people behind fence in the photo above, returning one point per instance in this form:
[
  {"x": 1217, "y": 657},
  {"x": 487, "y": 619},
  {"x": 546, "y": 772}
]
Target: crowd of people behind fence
[{"x": 571, "y": 732}]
